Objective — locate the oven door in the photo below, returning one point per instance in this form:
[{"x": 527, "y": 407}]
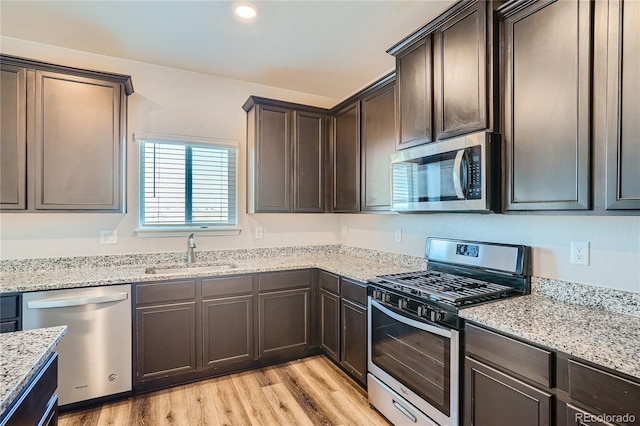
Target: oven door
[{"x": 417, "y": 360}]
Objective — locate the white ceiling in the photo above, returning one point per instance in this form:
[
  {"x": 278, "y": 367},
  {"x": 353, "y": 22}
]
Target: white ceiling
[{"x": 329, "y": 48}]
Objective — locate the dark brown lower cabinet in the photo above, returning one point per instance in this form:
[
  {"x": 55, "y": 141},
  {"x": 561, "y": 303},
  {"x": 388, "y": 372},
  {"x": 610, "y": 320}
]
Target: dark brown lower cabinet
[
  {"x": 166, "y": 340},
  {"x": 227, "y": 330},
  {"x": 10, "y": 312},
  {"x": 38, "y": 404},
  {"x": 494, "y": 398},
  {"x": 330, "y": 324},
  {"x": 353, "y": 354},
  {"x": 284, "y": 321}
]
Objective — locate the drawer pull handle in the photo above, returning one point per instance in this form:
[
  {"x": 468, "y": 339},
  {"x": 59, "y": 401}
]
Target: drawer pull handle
[{"x": 405, "y": 412}]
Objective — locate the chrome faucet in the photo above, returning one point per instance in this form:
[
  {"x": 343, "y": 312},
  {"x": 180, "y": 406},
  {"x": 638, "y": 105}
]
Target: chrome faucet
[{"x": 191, "y": 255}]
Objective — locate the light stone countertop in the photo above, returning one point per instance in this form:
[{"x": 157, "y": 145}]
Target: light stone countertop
[
  {"x": 22, "y": 354},
  {"x": 353, "y": 265},
  {"x": 606, "y": 338}
]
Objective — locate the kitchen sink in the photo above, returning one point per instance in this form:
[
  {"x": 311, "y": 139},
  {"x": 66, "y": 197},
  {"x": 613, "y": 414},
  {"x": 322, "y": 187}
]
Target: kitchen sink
[{"x": 188, "y": 269}]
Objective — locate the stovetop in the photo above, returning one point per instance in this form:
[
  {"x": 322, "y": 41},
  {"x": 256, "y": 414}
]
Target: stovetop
[
  {"x": 459, "y": 274},
  {"x": 441, "y": 285}
]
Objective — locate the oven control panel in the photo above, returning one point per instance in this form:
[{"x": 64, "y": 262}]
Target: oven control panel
[{"x": 414, "y": 307}]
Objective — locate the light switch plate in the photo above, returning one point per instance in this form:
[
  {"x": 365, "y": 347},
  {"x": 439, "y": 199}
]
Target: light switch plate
[
  {"x": 109, "y": 237},
  {"x": 259, "y": 232},
  {"x": 344, "y": 230},
  {"x": 398, "y": 235}
]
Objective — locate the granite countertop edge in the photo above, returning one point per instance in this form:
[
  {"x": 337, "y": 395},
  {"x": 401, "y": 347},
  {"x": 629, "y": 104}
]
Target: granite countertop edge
[
  {"x": 41, "y": 343},
  {"x": 605, "y": 338},
  {"x": 346, "y": 265}
]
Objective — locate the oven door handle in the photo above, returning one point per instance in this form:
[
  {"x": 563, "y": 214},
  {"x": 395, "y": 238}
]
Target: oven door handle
[{"x": 413, "y": 323}]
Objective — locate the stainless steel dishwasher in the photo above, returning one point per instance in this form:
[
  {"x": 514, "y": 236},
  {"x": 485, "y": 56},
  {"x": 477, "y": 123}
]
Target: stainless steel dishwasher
[{"x": 95, "y": 354}]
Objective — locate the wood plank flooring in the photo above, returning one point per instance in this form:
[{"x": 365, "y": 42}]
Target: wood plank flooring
[{"x": 310, "y": 391}]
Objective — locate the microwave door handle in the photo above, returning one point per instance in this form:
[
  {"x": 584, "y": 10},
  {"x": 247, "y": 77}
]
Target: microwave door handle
[{"x": 457, "y": 174}]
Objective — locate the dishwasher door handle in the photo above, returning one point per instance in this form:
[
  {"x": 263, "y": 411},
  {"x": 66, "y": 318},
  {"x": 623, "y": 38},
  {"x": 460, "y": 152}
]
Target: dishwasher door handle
[{"x": 63, "y": 303}]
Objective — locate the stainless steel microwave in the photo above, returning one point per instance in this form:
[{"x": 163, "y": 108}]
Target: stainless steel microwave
[{"x": 457, "y": 174}]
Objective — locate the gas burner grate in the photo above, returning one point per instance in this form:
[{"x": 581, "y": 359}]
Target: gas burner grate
[{"x": 452, "y": 288}]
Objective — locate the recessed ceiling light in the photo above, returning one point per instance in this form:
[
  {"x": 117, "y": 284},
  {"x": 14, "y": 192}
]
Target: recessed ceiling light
[{"x": 246, "y": 10}]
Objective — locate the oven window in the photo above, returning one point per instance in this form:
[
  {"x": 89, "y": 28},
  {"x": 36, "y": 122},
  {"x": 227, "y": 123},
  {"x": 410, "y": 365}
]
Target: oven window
[{"x": 416, "y": 358}]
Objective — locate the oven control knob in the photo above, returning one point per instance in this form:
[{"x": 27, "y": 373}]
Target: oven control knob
[
  {"x": 436, "y": 316},
  {"x": 386, "y": 297},
  {"x": 423, "y": 311},
  {"x": 377, "y": 294},
  {"x": 402, "y": 303}
]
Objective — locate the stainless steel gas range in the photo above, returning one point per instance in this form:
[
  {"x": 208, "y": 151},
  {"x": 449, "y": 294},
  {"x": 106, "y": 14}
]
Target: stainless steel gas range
[{"x": 415, "y": 333}]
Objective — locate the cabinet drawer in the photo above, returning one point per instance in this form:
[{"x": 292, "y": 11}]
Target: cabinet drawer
[
  {"x": 212, "y": 287},
  {"x": 9, "y": 306},
  {"x": 283, "y": 280},
  {"x": 8, "y": 326},
  {"x": 528, "y": 361},
  {"x": 354, "y": 291},
  {"x": 167, "y": 291},
  {"x": 603, "y": 391},
  {"x": 329, "y": 282}
]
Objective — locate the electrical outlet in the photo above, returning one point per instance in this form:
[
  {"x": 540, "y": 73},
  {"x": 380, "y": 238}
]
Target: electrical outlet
[
  {"x": 398, "y": 236},
  {"x": 344, "y": 230},
  {"x": 580, "y": 252},
  {"x": 109, "y": 237},
  {"x": 259, "y": 232}
]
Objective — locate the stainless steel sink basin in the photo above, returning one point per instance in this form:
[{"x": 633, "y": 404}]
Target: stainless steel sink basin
[{"x": 190, "y": 269}]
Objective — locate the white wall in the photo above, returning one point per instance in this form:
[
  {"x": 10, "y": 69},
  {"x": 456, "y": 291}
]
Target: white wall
[
  {"x": 614, "y": 241},
  {"x": 165, "y": 101}
]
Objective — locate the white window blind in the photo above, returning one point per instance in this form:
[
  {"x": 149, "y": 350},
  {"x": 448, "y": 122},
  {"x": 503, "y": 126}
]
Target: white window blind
[{"x": 186, "y": 184}]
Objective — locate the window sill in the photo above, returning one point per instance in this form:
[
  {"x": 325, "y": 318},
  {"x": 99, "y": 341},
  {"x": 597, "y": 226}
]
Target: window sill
[{"x": 183, "y": 232}]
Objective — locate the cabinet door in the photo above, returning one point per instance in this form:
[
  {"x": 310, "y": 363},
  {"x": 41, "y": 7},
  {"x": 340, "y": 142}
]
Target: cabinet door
[
  {"x": 623, "y": 106},
  {"x": 330, "y": 324},
  {"x": 308, "y": 143},
  {"x": 13, "y": 137},
  {"x": 546, "y": 60},
  {"x": 227, "y": 330},
  {"x": 346, "y": 159},
  {"x": 378, "y": 143},
  {"x": 273, "y": 160},
  {"x": 414, "y": 79},
  {"x": 460, "y": 73},
  {"x": 166, "y": 340},
  {"x": 354, "y": 339},
  {"x": 78, "y": 143},
  {"x": 284, "y": 321},
  {"x": 493, "y": 398}
]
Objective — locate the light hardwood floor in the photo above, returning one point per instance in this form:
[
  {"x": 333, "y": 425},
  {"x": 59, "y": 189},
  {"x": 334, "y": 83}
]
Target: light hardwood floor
[{"x": 310, "y": 391}]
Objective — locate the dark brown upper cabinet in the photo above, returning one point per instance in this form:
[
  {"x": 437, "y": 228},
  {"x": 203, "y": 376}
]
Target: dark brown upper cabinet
[
  {"x": 13, "y": 154},
  {"x": 63, "y": 141},
  {"x": 285, "y": 156},
  {"x": 546, "y": 104},
  {"x": 346, "y": 159},
  {"x": 462, "y": 63},
  {"x": 414, "y": 80},
  {"x": 378, "y": 140},
  {"x": 445, "y": 80},
  {"x": 623, "y": 106}
]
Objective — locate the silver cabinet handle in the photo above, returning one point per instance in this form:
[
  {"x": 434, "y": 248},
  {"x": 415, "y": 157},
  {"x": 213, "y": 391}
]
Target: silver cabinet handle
[
  {"x": 63, "y": 303},
  {"x": 405, "y": 412},
  {"x": 457, "y": 179}
]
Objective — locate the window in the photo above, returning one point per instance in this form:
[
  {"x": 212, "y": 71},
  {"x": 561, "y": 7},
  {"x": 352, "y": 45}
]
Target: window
[{"x": 187, "y": 183}]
